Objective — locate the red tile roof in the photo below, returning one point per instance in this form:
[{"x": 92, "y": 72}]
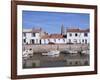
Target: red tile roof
[
  {"x": 52, "y": 36},
  {"x": 77, "y": 30},
  {"x": 32, "y": 30},
  {"x": 36, "y": 30}
]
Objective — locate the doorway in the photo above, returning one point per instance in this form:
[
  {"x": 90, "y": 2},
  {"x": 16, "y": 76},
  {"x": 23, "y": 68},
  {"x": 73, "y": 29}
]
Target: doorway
[{"x": 32, "y": 41}]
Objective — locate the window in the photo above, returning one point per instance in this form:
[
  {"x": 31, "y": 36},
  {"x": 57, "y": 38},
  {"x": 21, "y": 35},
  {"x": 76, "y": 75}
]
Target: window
[
  {"x": 40, "y": 41},
  {"x": 75, "y": 34},
  {"x": 83, "y": 40},
  {"x": 33, "y": 34},
  {"x": 32, "y": 41},
  {"x": 24, "y": 40},
  {"x": 85, "y": 34},
  {"x": 70, "y": 34}
]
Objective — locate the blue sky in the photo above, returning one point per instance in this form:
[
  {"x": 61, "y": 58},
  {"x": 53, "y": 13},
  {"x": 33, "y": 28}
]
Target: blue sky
[{"x": 51, "y": 22}]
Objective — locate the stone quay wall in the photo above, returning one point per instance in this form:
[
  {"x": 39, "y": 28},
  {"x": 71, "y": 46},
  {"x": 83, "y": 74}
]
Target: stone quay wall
[{"x": 60, "y": 47}]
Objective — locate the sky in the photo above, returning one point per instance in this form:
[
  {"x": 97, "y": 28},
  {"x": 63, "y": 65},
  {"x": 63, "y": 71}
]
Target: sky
[{"x": 51, "y": 22}]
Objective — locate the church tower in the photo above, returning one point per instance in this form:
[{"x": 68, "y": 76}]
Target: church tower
[{"x": 62, "y": 30}]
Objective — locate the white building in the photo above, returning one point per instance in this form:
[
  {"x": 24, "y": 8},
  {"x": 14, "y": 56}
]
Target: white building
[
  {"x": 32, "y": 36},
  {"x": 53, "y": 39},
  {"x": 77, "y": 36},
  {"x": 72, "y": 35}
]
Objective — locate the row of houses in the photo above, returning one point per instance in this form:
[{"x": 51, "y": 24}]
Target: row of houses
[{"x": 67, "y": 36}]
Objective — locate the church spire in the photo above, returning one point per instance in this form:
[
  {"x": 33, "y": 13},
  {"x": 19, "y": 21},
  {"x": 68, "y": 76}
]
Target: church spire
[{"x": 62, "y": 29}]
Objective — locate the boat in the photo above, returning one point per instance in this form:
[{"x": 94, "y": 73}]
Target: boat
[
  {"x": 27, "y": 53},
  {"x": 54, "y": 53}
]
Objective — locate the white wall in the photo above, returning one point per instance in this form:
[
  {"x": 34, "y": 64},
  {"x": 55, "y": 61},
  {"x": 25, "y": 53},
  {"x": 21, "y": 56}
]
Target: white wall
[
  {"x": 57, "y": 40},
  {"x": 5, "y": 43},
  {"x": 29, "y": 37},
  {"x": 79, "y": 37}
]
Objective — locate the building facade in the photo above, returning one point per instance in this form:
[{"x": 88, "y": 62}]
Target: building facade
[
  {"x": 67, "y": 36},
  {"x": 77, "y": 36},
  {"x": 32, "y": 36},
  {"x": 53, "y": 39}
]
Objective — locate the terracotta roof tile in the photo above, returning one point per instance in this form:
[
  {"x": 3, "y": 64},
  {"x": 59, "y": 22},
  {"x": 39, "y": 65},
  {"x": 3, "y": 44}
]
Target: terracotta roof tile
[
  {"x": 52, "y": 36},
  {"x": 36, "y": 30},
  {"x": 77, "y": 30},
  {"x": 32, "y": 30}
]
